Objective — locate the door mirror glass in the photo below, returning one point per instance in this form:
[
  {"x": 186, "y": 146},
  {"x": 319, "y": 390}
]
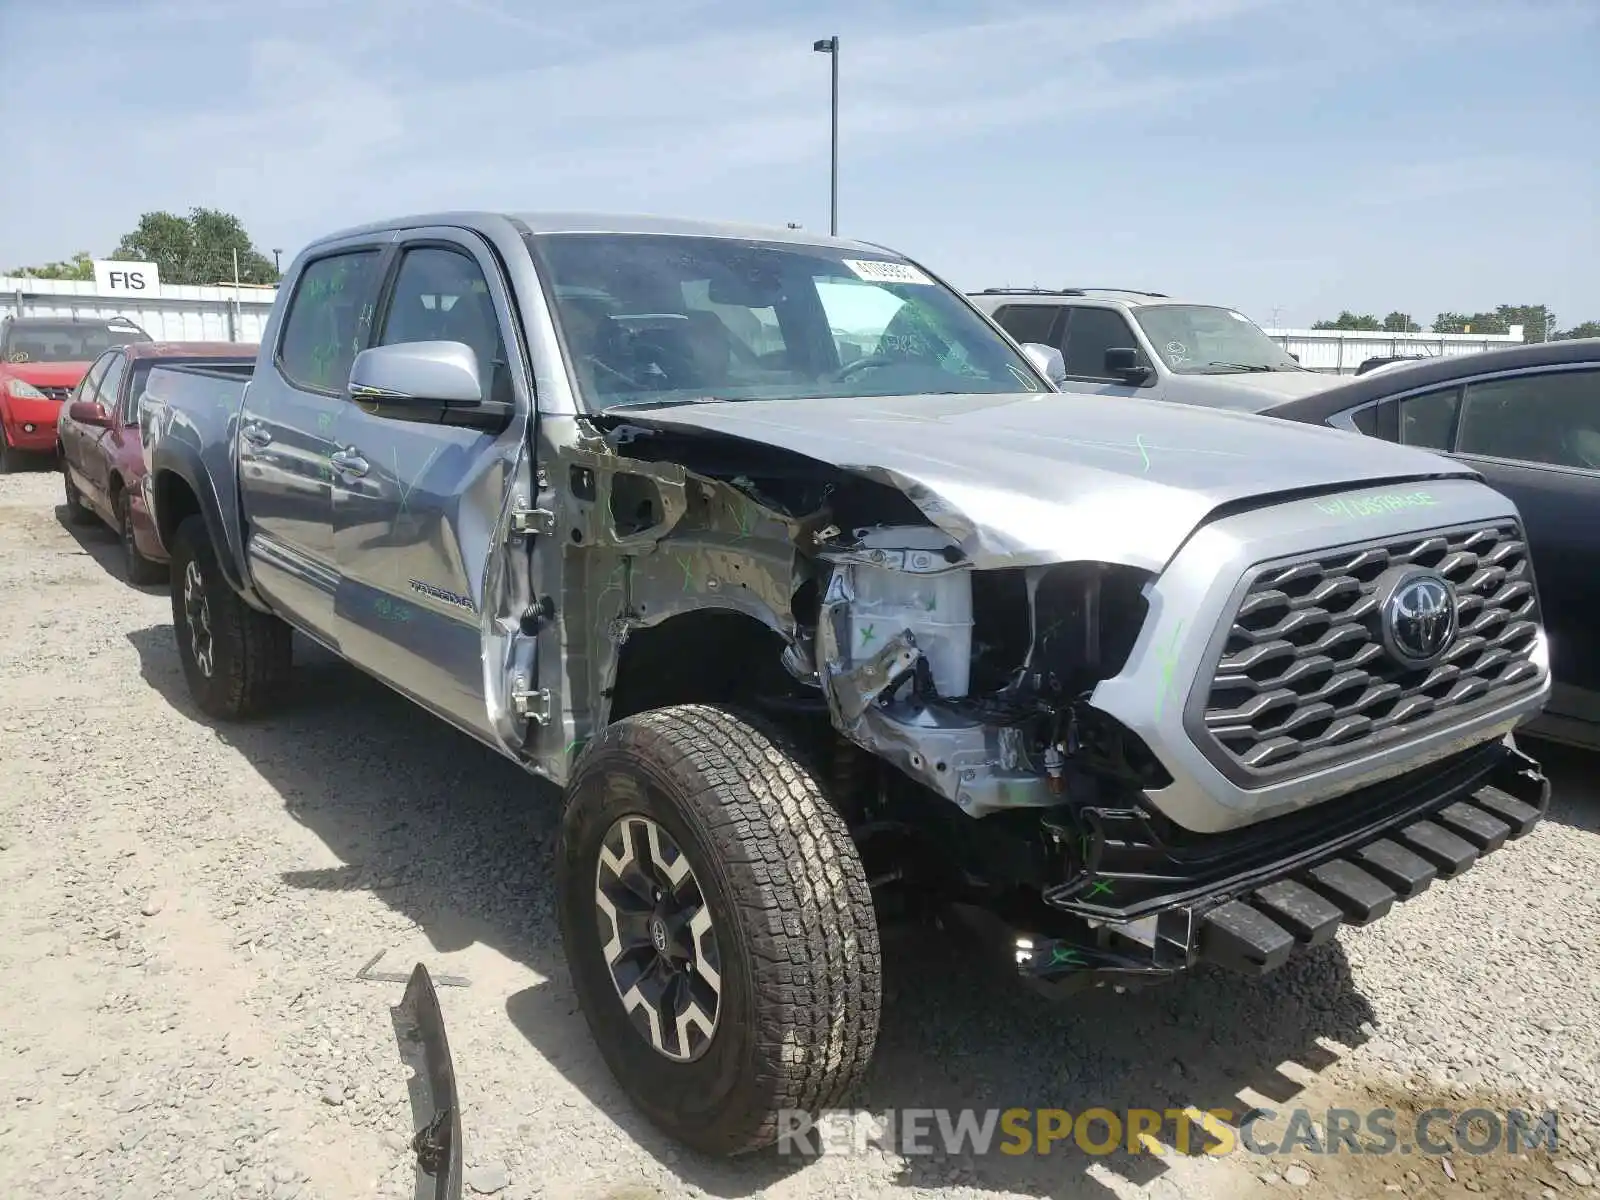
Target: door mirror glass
[
  {"x": 417, "y": 374},
  {"x": 86, "y": 412},
  {"x": 1049, "y": 361}
]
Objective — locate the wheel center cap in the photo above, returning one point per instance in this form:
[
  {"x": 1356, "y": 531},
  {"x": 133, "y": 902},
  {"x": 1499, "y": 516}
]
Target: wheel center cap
[{"x": 658, "y": 934}]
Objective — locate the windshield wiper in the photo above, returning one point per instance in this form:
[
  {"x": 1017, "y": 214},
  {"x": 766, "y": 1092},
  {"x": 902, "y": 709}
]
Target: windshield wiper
[
  {"x": 674, "y": 402},
  {"x": 1242, "y": 366}
]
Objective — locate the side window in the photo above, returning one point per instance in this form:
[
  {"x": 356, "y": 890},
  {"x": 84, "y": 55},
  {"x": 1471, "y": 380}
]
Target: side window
[
  {"x": 89, "y": 387},
  {"x": 441, "y": 295},
  {"x": 1028, "y": 322},
  {"x": 1428, "y": 420},
  {"x": 107, "y": 395},
  {"x": 327, "y": 319},
  {"x": 1366, "y": 420},
  {"x": 1090, "y": 333},
  {"x": 1552, "y": 418}
]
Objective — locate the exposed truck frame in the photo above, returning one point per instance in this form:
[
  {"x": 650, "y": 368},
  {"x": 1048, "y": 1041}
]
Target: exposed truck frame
[{"x": 1213, "y": 686}]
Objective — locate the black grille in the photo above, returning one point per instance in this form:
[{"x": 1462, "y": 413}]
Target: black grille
[
  {"x": 55, "y": 393},
  {"x": 1304, "y": 676}
]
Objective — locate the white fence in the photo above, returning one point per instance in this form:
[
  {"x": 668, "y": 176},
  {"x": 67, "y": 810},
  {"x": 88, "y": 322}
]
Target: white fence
[
  {"x": 179, "y": 314},
  {"x": 1341, "y": 351}
]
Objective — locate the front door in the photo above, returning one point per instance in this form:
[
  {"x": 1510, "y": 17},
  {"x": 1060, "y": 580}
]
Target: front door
[
  {"x": 1536, "y": 438},
  {"x": 286, "y": 436},
  {"x": 416, "y": 502},
  {"x": 77, "y": 439}
]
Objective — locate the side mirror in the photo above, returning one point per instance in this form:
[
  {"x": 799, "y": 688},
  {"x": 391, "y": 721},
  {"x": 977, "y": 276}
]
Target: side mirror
[
  {"x": 417, "y": 375},
  {"x": 1292, "y": 355},
  {"x": 1124, "y": 361},
  {"x": 87, "y": 412},
  {"x": 1048, "y": 359}
]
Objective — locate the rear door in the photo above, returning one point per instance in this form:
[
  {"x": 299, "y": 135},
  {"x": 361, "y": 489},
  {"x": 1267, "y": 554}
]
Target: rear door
[
  {"x": 287, "y": 430},
  {"x": 416, "y": 500}
]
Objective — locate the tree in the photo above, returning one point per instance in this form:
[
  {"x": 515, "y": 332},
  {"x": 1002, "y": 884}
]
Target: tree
[
  {"x": 79, "y": 266},
  {"x": 197, "y": 249},
  {"x": 1349, "y": 320},
  {"x": 1588, "y": 329},
  {"x": 1535, "y": 319},
  {"x": 1399, "y": 322}
]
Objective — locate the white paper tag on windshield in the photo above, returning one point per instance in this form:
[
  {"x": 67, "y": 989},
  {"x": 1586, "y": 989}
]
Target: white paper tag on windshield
[
  {"x": 1238, "y": 316},
  {"x": 877, "y": 271}
]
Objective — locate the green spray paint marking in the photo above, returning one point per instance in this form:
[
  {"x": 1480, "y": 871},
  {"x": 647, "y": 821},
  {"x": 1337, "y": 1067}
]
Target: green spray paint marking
[
  {"x": 1100, "y": 887},
  {"x": 1168, "y": 658},
  {"x": 574, "y": 746},
  {"x": 1065, "y": 956},
  {"x": 741, "y": 518},
  {"x": 866, "y": 634},
  {"x": 1374, "y": 504},
  {"x": 687, "y": 564},
  {"x": 1143, "y": 452}
]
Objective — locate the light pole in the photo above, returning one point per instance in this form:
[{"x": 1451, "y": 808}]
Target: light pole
[
  {"x": 830, "y": 47},
  {"x": 275, "y": 253}
]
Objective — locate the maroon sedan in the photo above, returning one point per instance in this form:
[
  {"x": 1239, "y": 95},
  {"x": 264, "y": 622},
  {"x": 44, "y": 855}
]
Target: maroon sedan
[{"x": 102, "y": 461}]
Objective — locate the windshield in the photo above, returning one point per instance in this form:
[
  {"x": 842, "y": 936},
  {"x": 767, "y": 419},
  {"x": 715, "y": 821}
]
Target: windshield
[
  {"x": 64, "y": 341},
  {"x": 1197, "y": 339},
  {"x": 651, "y": 319}
]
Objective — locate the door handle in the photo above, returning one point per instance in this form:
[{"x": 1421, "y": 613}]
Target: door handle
[
  {"x": 349, "y": 461},
  {"x": 256, "y": 435}
]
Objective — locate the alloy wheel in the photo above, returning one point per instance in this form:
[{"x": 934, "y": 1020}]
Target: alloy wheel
[
  {"x": 197, "y": 612},
  {"x": 658, "y": 939}
]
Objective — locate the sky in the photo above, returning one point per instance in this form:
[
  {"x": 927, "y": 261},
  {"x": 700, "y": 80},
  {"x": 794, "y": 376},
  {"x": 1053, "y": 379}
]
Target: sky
[{"x": 1289, "y": 158}]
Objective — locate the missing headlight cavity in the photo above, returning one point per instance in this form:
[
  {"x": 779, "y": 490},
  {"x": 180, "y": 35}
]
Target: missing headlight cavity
[{"x": 1054, "y": 631}]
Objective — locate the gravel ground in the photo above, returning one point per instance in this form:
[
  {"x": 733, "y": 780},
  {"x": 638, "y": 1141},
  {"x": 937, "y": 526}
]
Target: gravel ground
[{"x": 185, "y": 909}]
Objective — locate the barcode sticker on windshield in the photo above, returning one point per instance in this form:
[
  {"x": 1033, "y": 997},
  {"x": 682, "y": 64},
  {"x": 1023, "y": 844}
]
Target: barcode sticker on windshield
[{"x": 875, "y": 270}]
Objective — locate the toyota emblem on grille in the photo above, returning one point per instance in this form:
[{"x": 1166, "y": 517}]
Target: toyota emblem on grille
[{"x": 1417, "y": 616}]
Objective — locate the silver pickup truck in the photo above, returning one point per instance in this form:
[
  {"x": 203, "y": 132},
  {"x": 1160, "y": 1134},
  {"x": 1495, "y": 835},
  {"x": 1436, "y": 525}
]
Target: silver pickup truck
[{"x": 822, "y": 605}]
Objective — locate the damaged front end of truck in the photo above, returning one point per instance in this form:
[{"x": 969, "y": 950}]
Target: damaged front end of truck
[{"x": 1099, "y": 735}]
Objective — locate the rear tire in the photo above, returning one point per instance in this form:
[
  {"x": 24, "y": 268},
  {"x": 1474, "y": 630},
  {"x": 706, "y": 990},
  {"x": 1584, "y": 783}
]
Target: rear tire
[
  {"x": 140, "y": 571},
  {"x": 235, "y": 658},
  {"x": 782, "y": 921},
  {"x": 78, "y": 513}
]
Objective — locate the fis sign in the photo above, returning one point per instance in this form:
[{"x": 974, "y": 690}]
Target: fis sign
[{"x": 113, "y": 278}]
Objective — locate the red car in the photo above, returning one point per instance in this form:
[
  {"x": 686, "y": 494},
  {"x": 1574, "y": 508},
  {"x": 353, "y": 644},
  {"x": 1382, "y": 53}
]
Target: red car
[
  {"x": 41, "y": 360},
  {"x": 102, "y": 460}
]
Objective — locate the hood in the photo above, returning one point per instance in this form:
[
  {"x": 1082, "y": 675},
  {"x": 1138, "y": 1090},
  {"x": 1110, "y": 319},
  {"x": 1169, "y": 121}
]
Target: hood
[
  {"x": 1053, "y": 477},
  {"x": 1250, "y": 391},
  {"x": 51, "y": 374}
]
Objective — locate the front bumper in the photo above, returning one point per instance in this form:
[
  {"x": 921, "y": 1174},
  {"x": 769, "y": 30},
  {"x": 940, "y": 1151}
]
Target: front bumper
[
  {"x": 31, "y": 436},
  {"x": 1250, "y": 900}
]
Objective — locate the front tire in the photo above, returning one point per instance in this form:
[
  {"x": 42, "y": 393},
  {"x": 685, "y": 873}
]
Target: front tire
[
  {"x": 698, "y": 807},
  {"x": 140, "y": 571},
  {"x": 10, "y": 460},
  {"x": 235, "y": 658}
]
